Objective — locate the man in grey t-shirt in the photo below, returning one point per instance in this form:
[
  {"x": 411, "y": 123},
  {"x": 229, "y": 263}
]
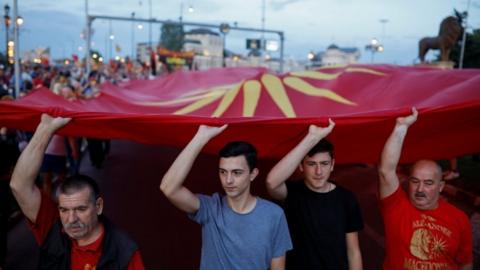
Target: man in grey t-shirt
[{"x": 239, "y": 230}]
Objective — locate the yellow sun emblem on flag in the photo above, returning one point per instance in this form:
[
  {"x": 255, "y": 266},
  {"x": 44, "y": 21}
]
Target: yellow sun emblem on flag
[{"x": 273, "y": 85}]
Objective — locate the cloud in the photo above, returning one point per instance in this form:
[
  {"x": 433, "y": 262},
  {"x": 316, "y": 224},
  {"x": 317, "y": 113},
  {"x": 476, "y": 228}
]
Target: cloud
[{"x": 281, "y": 4}]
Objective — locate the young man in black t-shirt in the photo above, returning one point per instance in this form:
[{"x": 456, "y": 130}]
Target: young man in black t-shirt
[{"x": 323, "y": 218}]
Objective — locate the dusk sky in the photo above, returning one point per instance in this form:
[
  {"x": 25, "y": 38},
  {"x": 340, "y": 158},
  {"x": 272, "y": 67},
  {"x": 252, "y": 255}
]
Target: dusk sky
[{"x": 309, "y": 25}]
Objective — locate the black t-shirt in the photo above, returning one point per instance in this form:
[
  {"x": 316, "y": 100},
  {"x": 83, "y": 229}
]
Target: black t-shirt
[{"x": 318, "y": 224}]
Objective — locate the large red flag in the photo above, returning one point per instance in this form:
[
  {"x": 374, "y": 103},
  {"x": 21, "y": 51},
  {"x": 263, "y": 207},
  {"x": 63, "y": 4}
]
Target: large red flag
[{"x": 273, "y": 111}]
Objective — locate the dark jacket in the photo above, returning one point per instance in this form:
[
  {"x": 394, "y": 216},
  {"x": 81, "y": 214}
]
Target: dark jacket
[{"x": 117, "y": 249}]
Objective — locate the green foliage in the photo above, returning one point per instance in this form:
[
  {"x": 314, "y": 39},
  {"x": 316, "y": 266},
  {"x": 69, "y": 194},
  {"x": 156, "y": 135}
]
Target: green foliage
[
  {"x": 171, "y": 37},
  {"x": 471, "y": 58}
]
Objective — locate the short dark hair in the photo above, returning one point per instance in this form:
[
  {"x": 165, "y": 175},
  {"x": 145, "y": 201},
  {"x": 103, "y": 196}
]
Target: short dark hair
[
  {"x": 240, "y": 148},
  {"x": 321, "y": 147},
  {"x": 78, "y": 182}
]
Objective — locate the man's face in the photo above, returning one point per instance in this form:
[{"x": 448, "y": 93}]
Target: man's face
[
  {"x": 425, "y": 185},
  {"x": 235, "y": 175},
  {"x": 316, "y": 170},
  {"x": 79, "y": 214},
  {"x": 62, "y": 79}
]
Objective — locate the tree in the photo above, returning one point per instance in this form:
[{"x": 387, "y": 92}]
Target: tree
[
  {"x": 471, "y": 57},
  {"x": 172, "y": 36}
]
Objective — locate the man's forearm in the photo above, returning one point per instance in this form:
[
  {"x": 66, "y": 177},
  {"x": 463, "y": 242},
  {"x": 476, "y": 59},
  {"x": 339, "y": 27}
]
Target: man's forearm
[
  {"x": 287, "y": 165},
  {"x": 25, "y": 172},
  {"x": 176, "y": 175},
  {"x": 30, "y": 160},
  {"x": 392, "y": 150}
]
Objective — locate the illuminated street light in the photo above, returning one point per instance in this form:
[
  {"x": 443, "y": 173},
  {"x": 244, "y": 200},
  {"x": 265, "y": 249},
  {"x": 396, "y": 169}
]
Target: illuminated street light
[
  {"x": 6, "y": 18},
  {"x": 19, "y": 20},
  {"x": 224, "y": 29},
  {"x": 16, "y": 28},
  {"x": 112, "y": 36},
  {"x": 140, "y": 27},
  {"x": 311, "y": 56},
  {"x": 374, "y": 47},
  {"x": 190, "y": 10}
]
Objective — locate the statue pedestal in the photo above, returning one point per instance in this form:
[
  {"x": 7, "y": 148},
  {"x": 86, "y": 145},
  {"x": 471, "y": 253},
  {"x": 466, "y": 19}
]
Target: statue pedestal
[{"x": 439, "y": 64}]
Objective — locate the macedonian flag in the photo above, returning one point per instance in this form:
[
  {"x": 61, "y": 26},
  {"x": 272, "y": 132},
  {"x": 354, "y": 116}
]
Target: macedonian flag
[{"x": 274, "y": 111}]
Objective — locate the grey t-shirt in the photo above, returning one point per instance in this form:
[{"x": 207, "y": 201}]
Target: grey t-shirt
[{"x": 240, "y": 241}]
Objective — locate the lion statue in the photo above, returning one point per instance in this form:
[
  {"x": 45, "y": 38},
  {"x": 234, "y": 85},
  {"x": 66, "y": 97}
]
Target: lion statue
[{"x": 450, "y": 31}]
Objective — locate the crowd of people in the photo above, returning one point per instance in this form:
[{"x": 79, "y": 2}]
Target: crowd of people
[{"x": 69, "y": 79}]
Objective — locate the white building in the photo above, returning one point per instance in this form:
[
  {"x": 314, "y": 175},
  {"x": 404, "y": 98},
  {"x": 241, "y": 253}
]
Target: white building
[
  {"x": 143, "y": 52},
  {"x": 335, "y": 55},
  {"x": 36, "y": 55},
  {"x": 204, "y": 42},
  {"x": 207, "y": 46}
]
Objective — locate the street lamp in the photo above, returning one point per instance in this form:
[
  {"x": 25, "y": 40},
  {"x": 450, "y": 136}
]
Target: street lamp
[
  {"x": 464, "y": 35},
  {"x": 16, "y": 25},
  {"x": 133, "y": 35},
  {"x": 224, "y": 29},
  {"x": 374, "y": 47},
  {"x": 190, "y": 10},
  {"x": 19, "y": 20},
  {"x": 111, "y": 37},
  {"x": 7, "y": 26},
  {"x": 150, "y": 23}
]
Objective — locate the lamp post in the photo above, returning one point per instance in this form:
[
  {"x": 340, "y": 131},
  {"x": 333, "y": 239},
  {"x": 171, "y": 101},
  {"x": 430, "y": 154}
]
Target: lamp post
[
  {"x": 88, "y": 41},
  {"x": 464, "y": 37},
  {"x": 262, "y": 44},
  {"x": 111, "y": 37},
  {"x": 383, "y": 22},
  {"x": 7, "y": 28},
  {"x": 374, "y": 47},
  {"x": 190, "y": 10},
  {"x": 150, "y": 23},
  {"x": 224, "y": 28},
  {"x": 133, "y": 34},
  {"x": 16, "y": 25}
]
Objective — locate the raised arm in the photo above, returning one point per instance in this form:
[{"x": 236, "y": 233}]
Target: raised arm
[
  {"x": 23, "y": 178},
  {"x": 391, "y": 155},
  {"x": 287, "y": 165},
  {"x": 172, "y": 182}
]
